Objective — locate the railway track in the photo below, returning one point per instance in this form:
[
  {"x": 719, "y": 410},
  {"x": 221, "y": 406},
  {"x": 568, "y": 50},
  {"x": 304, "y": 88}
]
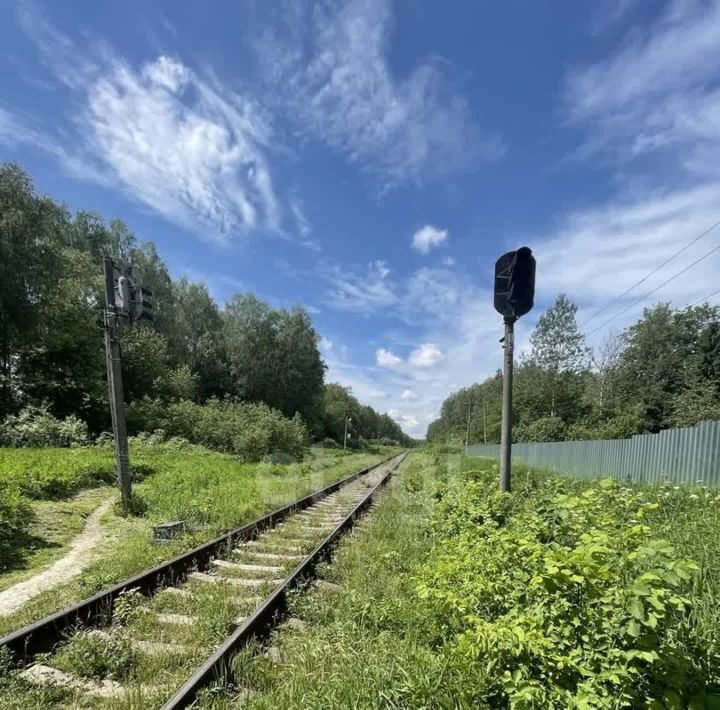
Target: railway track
[{"x": 160, "y": 638}]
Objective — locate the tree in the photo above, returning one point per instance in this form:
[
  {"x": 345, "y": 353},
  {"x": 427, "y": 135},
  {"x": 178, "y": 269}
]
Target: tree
[
  {"x": 664, "y": 357},
  {"x": 30, "y": 234},
  {"x": 196, "y": 339},
  {"x": 605, "y": 360},
  {"x": 274, "y": 357},
  {"x": 557, "y": 349},
  {"x": 51, "y": 341}
]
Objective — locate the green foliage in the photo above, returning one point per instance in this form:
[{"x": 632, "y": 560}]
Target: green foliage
[
  {"x": 56, "y": 473},
  {"x": 542, "y": 429},
  {"x": 273, "y": 356},
  {"x": 136, "y": 507},
  {"x": 248, "y": 430},
  {"x": 662, "y": 371},
  {"x": 36, "y": 426},
  {"x": 363, "y": 423},
  {"x": 15, "y": 517},
  {"x": 561, "y": 595},
  {"x": 51, "y": 349},
  {"x": 93, "y": 655}
]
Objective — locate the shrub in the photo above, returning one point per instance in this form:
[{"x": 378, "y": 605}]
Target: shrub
[
  {"x": 249, "y": 430},
  {"x": 542, "y": 429},
  {"x": 36, "y": 426},
  {"x": 328, "y": 443},
  {"x": 560, "y": 596}
]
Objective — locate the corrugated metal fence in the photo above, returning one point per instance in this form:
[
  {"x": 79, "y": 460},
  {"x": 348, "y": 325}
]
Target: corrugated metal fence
[{"x": 682, "y": 455}]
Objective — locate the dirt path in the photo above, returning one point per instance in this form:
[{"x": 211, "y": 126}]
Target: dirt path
[{"x": 81, "y": 553}]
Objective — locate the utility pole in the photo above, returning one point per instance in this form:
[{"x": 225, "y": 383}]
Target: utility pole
[
  {"x": 347, "y": 421},
  {"x": 115, "y": 385},
  {"x": 506, "y": 430},
  {"x": 513, "y": 297},
  {"x": 467, "y": 430},
  {"x": 484, "y": 423}
]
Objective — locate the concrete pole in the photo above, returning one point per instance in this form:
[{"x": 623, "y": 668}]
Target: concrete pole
[
  {"x": 467, "y": 431},
  {"x": 115, "y": 386},
  {"x": 345, "y": 439},
  {"x": 506, "y": 432},
  {"x": 484, "y": 423}
]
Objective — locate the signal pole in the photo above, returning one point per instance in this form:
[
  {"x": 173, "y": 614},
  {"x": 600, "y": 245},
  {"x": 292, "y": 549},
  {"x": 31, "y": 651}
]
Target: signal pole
[
  {"x": 506, "y": 431},
  {"x": 115, "y": 385},
  {"x": 513, "y": 297}
]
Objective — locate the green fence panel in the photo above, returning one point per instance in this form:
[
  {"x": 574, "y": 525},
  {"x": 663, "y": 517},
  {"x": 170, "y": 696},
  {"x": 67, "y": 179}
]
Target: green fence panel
[{"x": 688, "y": 455}]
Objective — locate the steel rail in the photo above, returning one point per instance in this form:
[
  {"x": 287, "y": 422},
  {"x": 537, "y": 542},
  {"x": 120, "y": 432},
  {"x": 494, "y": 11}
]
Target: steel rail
[
  {"x": 42, "y": 635},
  {"x": 269, "y": 613}
]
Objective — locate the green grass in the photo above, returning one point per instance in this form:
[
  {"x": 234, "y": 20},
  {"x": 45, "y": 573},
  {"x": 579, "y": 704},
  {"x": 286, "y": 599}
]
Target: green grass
[
  {"x": 567, "y": 594},
  {"x": 362, "y": 646},
  {"x": 211, "y": 491},
  {"x": 52, "y": 526},
  {"x": 56, "y": 473}
]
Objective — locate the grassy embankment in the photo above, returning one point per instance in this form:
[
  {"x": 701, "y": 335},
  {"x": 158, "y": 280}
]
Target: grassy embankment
[
  {"x": 50, "y": 491},
  {"x": 567, "y": 594}
]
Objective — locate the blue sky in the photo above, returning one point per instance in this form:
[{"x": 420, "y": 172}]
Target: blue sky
[{"x": 371, "y": 159}]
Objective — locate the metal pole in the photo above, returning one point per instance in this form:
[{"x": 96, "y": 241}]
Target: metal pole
[
  {"x": 506, "y": 433},
  {"x": 345, "y": 439},
  {"x": 115, "y": 386}
]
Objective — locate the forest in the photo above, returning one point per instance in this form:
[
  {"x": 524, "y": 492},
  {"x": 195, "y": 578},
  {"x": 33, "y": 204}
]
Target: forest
[
  {"x": 661, "y": 371},
  {"x": 197, "y": 362}
]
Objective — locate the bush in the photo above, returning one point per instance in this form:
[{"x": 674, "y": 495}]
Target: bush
[
  {"x": 542, "y": 429},
  {"x": 560, "y": 595},
  {"x": 36, "y": 426},
  {"x": 328, "y": 443},
  {"x": 248, "y": 430}
]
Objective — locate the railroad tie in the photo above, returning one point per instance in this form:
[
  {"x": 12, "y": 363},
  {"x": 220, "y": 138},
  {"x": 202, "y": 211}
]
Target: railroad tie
[
  {"x": 272, "y": 555},
  {"x": 243, "y": 567},
  {"x": 149, "y": 647},
  {"x": 43, "y": 675},
  {"x": 236, "y": 581},
  {"x": 177, "y": 619}
]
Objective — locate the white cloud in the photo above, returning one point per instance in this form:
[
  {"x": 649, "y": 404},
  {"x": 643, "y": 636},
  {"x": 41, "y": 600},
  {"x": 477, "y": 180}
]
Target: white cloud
[
  {"x": 426, "y": 355},
  {"x": 597, "y": 254},
  {"x": 658, "y": 93},
  {"x": 328, "y": 67},
  {"x": 456, "y": 323},
  {"x": 177, "y": 144},
  {"x": 177, "y": 141},
  {"x": 428, "y": 237},
  {"x": 360, "y": 291},
  {"x": 301, "y": 219},
  {"x": 386, "y": 358}
]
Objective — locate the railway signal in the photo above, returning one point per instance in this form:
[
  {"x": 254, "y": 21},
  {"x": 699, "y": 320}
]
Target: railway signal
[
  {"x": 514, "y": 296},
  {"x": 124, "y": 298}
]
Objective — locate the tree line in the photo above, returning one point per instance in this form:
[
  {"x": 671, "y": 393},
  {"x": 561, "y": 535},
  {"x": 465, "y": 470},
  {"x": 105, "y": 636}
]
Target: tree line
[
  {"x": 51, "y": 342},
  {"x": 662, "y": 371}
]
